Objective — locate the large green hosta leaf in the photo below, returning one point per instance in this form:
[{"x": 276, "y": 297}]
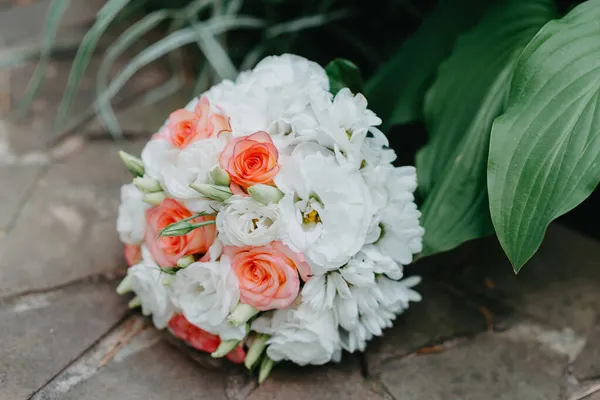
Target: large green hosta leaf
[
  {"x": 468, "y": 94},
  {"x": 396, "y": 90},
  {"x": 545, "y": 150}
]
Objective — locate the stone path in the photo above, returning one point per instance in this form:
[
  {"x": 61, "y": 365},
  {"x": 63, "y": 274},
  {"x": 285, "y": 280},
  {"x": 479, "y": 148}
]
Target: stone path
[{"x": 480, "y": 333}]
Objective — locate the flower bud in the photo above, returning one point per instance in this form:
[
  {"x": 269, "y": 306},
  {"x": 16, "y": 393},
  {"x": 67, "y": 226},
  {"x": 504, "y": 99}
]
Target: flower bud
[
  {"x": 185, "y": 261},
  {"x": 214, "y": 192},
  {"x": 147, "y": 185},
  {"x": 125, "y": 286},
  {"x": 135, "y": 302},
  {"x": 154, "y": 198},
  {"x": 181, "y": 228},
  {"x": 256, "y": 348},
  {"x": 265, "y": 194},
  {"x": 266, "y": 366},
  {"x": 241, "y": 314},
  {"x": 133, "y": 164},
  {"x": 220, "y": 176},
  {"x": 224, "y": 348}
]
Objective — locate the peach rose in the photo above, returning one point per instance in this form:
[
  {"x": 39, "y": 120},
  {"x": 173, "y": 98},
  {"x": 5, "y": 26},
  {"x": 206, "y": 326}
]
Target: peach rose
[
  {"x": 200, "y": 339},
  {"x": 267, "y": 275},
  {"x": 133, "y": 254},
  {"x": 167, "y": 250},
  {"x": 250, "y": 160},
  {"x": 185, "y": 127}
]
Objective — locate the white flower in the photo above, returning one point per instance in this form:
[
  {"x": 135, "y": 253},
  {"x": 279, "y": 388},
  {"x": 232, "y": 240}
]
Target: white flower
[
  {"x": 326, "y": 210},
  {"x": 300, "y": 335},
  {"x": 147, "y": 282},
  {"x": 131, "y": 221},
  {"x": 175, "y": 169},
  {"x": 395, "y": 230},
  {"x": 206, "y": 292},
  {"x": 342, "y": 124},
  {"x": 376, "y": 308},
  {"x": 243, "y": 221}
]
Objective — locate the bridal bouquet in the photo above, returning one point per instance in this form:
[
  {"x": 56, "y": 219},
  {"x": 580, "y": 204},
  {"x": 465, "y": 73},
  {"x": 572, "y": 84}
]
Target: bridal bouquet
[{"x": 266, "y": 221}]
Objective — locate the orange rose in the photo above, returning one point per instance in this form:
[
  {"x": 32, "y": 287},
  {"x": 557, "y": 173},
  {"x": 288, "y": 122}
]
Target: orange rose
[
  {"x": 133, "y": 254},
  {"x": 250, "y": 160},
  {"x": 267, "y": 275},
  {"x": 200, "y": 339},
  {"x": 168, "y": 249},
  {"x": 185, "y": 127}
]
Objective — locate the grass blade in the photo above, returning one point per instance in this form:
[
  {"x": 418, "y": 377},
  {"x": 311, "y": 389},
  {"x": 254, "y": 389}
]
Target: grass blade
[
  {"x": 56, "y": 11},
  {"x": 103, "y": 19}
]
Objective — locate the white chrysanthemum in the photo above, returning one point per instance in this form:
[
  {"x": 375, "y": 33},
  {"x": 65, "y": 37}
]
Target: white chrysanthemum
[
  {"x": 131, "y": 221},
  {"x": 341, "y": 124},
  {"x": 206, "y": 292},
  {"x": 326, "y": 210},
  {"x": 147, "y": 282},
  {"x": 175, "y": 169},
  {"x": 243, "y": 221},
  {"x": 300, "y": 335},
  {"x": 395, "y": 230},
  {"x": 376, "y": 308}
]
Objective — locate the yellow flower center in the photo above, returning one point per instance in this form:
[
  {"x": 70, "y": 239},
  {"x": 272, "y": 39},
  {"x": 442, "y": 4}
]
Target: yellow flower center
[{"x": 311, "y": 217}]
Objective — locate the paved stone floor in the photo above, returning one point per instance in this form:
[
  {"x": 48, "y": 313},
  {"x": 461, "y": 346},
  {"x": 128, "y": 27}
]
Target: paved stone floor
[{"x": 480, "y": 333}]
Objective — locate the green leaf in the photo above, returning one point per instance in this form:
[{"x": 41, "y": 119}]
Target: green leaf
[
  {"x": 344, "y": 74},
  {"x": 468, "y": 94},
  {"x": 55, "y": 13},
  {"x": 545, "y": 150},
  {"x": 396, "y": 90},
  {"x": 88, "y": 44}
]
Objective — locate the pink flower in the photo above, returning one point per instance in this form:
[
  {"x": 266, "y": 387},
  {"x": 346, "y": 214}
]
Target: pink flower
[
  {"x": 133, "y": 254},
  {"x": 267, "y": 275},
  {"x": 250, "y": 160},
  {"x": 168, "y": 249},
  {"x": 185, "y": 127},
  {"x": 200, "y": 339}
]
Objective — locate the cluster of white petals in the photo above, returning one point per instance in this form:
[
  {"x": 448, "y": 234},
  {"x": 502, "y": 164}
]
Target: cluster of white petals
[{"x": 295, "y": 225}]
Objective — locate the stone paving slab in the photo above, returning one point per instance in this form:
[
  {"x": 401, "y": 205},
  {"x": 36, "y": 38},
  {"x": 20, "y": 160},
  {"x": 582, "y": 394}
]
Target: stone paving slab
[
  {"x": 15, "y": 182},
  {"x": 66, "y": 229},
  {"x": 329, "y": 382},
  {"x": 42, "y": 333},
  {"x": 438, "y": 317},
  {"x": 493, "y": 366},
  {"x": 587, "y": 365},
  {"x": 560, "y": 285},
  {"x": 159, "y": 371}
]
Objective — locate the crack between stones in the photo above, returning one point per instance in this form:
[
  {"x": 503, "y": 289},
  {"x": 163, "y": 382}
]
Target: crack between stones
[
  {"x": 105, "y": 277},
  {"x": 81, "y": 354}
]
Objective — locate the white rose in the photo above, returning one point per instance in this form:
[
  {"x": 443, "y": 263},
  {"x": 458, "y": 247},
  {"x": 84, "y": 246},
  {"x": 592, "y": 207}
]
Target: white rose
[
  {"x": 243, "y": 221},
  {"x": 131, "y": 221},
  {"x": 147, "y": 283},
  {"x": 300, "y": 335},
  {"x": 326, "y": 210},
  {"x": 206, "y": 292},
  {"x": 175, "y": 169}
]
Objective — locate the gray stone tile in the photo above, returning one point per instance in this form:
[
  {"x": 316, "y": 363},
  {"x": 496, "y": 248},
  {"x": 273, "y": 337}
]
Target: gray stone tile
[
  {"x": 560, "y": 285},
  {"x": 331, "y": 381},
  {"x": 587, "y": 364},
  {"x": 438, "y": 317},
  {"x": 158, "y": 372},
  {"x": 15, "y": 182},
  {"x": 492, "y": 366},
  {"x": 66, "y": 230},
  {"x": 43, "y": 333}
]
